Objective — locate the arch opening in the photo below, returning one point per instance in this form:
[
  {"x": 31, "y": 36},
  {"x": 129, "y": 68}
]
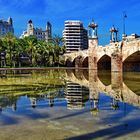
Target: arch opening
[
  {"x": 78, "y": 74},
  {"x": 85, "y": 63},
  {"x": 132, "y": 81},
  {"x": 132, "y": 62},
  {"x": 77, "y": 62},
  {"x": 105, "y": 78},
  {"x": 104, "y": 63},
  {"x": 69, "y": 63}
]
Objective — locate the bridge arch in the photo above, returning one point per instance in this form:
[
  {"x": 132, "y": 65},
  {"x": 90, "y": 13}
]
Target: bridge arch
[
  {"x": 132, "y": 62},
  {"x": 77, "y": 62},
  {"x": 69, "y": 62},
  {"x": 104, "y": 63},
  {"x": 85, "y": 62}
]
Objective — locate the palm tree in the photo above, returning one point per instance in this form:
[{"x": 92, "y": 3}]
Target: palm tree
[
  {"x": 10, "y": 43},
  {"x": 32, "y": 50},
  {"x": 44, "y": 52},
  {"x": 58, "y": 47}
]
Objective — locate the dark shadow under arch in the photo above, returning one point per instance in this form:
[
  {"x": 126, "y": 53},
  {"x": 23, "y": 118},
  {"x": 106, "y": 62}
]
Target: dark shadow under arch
[
  {"x": 132, "y": 62},
  {"x": 77, "y": 62},
  {"x": 132, "y": 81},
  {"x": 105, "y": 77},
  {"x": 69, "y": 63},
  {"x": 104, "y": 63},
  {"x": 85, "y": 63}
]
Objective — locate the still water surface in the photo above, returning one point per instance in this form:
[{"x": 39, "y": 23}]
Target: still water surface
[{"x": 69, "y": 104}]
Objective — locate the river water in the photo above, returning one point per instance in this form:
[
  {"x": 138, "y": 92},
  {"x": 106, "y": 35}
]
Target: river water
[{"x": 59, "y": 104}]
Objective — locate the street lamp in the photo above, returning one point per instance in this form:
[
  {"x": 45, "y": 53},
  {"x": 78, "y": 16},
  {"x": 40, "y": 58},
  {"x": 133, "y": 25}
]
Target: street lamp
[{"x": 124, "y": 30}]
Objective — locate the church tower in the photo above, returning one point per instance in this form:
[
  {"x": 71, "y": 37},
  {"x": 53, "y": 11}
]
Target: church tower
[
  {"x": 10, "y": 21},
  {"x": 30, "y": 28}
]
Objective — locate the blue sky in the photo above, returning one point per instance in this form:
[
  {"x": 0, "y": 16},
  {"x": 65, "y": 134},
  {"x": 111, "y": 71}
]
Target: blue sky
[{"x": 105, "y": 12}]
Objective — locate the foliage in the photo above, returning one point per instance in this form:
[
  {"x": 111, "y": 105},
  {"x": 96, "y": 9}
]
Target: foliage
[{"x": 31, "y": 52}]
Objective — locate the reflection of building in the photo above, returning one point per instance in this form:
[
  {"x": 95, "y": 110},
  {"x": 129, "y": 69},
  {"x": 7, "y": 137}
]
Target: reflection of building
[
  {"x": 38, "y": 32},
  {"x": 94, "y": 101},
  {"x": 33, "y": 101},
  {"x": 76, "y": 95},
  {"x": 115, "y": 104},
  {"x": 6, "y": 27},
  {"x": 51, "y": 97},
  {"x": 75, "y": 36}
]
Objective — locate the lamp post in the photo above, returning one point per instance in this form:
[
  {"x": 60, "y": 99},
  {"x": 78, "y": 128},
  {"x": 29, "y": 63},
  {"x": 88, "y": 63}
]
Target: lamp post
[{"x": 124, "y": 30}]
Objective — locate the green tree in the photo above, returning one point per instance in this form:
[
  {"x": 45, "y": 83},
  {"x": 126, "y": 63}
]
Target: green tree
[
  {"x": 32, "y": 49},
  {"x": 10, "y": 43}
]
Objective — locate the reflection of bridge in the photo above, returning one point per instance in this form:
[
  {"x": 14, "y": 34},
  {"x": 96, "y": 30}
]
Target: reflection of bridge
[
  {"x": 115, "y": 56},
  {"x": 117, "y": 89}
]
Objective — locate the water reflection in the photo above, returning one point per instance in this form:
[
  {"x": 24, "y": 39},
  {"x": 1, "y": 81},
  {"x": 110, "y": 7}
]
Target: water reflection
[
  {"x": 80, "y": 86},
  {"x": 76, "y": 95},
  {"x": 111, "y": 84},
  {"x": 71, "y": 95}
]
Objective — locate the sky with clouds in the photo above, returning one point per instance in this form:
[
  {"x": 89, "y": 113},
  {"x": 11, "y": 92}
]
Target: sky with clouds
[{"x": 105, "y": 12}]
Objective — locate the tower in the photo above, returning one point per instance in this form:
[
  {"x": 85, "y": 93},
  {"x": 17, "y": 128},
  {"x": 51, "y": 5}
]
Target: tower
[
  {"x": 49, "y": 30},
  {"x": 93, "y": 44},
  {"x": 93, "y": 35},
  {"x": 10, "y": 21},
  {"x": 93, "y": 30},
  {"x": 30, "y": 27},
  {"x": 113, "y": 34}
]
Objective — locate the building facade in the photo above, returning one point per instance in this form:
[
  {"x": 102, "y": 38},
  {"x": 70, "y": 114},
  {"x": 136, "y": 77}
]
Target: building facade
[
  {"x": 6, "y": 26},
  {"x": 75, "y": 36},
  {"x": 39, "y": 33}
]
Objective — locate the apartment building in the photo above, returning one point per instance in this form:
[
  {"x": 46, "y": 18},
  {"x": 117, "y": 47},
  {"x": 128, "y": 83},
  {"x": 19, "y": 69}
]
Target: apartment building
[{"x": 75, "y": 36}]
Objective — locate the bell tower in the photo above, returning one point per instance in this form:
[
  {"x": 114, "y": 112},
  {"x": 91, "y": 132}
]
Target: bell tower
[
  {"x": 113, "y": 35},
  {"x": 30, "y": 27},
  {"x": 93, "y": 35},
  {"x": 10, "y": 21},
  {"x": 93, "y": 44}
]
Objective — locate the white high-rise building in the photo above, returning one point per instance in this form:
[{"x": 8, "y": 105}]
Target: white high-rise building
[{"x": 75, "y": 36}]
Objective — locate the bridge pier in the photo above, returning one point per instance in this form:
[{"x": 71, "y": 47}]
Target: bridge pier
[
  {"x": 117, "y": 85},
  {"x": 116, "y": 80},
  {"x": 116, "y": 62},
  {"x": 93, "y": 92},
  {"x": 92, "y": 62}
]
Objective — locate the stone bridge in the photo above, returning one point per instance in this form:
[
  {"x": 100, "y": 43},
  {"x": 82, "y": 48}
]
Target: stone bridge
[
  {"x": 117, "y": 56},
  {"x": 115, "y": 87}
]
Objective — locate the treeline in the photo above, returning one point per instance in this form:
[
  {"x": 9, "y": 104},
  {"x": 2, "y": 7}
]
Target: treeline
[{"x": 29, "y": 51}]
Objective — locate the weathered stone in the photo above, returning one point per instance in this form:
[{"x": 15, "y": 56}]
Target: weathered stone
[{"x": 119, "y": 52}]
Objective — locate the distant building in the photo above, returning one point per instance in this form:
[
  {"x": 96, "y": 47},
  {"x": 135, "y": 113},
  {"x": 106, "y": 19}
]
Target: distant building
[
  {"x": 38, "y": 32},
  {"x": 131, "y": 37},
  {"x": 75, "y": 36},
  {"x": 6, "y": 27}
]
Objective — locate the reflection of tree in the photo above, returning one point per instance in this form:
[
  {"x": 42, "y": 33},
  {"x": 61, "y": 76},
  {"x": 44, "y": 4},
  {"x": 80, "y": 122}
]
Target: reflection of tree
[
  {"x": 37, "y": 85},
  {"x": 33, "y": 83},
  {"x": 6, "y": 100}
]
